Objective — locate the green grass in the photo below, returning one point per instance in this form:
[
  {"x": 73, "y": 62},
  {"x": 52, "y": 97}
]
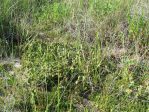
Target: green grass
[{"x": 75, "y": 56}]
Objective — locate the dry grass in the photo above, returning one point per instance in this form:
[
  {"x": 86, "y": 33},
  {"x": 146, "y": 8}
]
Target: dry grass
[{"x": 74, "y": 55}]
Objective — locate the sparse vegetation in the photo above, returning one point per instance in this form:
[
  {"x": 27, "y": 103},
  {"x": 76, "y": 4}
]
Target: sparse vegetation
[{"x": 74, "y": 56}]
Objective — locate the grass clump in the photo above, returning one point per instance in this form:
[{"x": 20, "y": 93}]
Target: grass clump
[{"x": 73, "y": 56}]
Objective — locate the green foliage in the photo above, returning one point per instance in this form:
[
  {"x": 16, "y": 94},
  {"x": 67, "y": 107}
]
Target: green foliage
[
  {"x": 106, "y": 7},
  {"x": 60, "y": 70}
]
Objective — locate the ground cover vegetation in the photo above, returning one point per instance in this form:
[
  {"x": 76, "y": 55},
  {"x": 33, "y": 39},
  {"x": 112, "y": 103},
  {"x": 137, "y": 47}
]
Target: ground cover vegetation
[{"x": 74, "y": 56}]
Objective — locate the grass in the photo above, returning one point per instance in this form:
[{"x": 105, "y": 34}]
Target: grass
[{"x": 74, "y": 56}]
